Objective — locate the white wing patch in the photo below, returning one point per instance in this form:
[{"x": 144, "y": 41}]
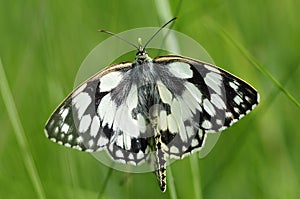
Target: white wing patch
[
  {"x": 110, "y": 81},
  {"x": 106, "y": 110},
  {"x": 95, "y": 126},
  {"x": 163, "y": 124},
  {"x": 214, "y": 81},
  {"x": 141, "y": 123},
  {"x": 180, "y": 70},
  {"x": 172, "y": 124},
  {"x": 165, "y": 94},
  {"x": 191, "y": 102},
  {"x": 132, "y": 99},
  {"x": 217, "y": 101},
  {"x": 212, "y": 69},
  {"x": 125, "y": 123},
  {"x": 194, "y": 91},
  {"x": 81, "y": 102},
  {"x": 84, "y": 123},
  {"x": 208, "y": 107}
]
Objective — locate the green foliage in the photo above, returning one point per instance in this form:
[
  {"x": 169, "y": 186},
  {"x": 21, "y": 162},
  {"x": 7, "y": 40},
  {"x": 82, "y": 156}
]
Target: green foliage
[{"x": 43, "y": 43}]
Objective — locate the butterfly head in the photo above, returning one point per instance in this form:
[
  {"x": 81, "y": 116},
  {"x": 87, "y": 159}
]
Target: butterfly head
[{"x": 141, "y": 55}]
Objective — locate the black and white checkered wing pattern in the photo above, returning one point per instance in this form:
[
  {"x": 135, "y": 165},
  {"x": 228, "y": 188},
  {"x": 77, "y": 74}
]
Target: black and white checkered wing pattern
[
  {"x": 209, "y": 100},
  {"x": 151, "y": 110},
  {"x": 89, "y": 120}
]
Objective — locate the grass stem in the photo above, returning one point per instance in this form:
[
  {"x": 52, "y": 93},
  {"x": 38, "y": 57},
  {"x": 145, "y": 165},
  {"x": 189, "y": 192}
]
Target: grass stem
[{"x": 20, "y": 134}]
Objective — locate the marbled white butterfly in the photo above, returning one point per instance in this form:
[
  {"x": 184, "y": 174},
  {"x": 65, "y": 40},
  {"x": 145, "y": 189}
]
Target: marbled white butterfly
[{"x": 164, "y": 106}]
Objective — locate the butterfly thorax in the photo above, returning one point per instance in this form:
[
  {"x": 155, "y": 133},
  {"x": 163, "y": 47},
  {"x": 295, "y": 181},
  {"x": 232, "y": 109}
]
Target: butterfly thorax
[{"x": 145, "y": 77}]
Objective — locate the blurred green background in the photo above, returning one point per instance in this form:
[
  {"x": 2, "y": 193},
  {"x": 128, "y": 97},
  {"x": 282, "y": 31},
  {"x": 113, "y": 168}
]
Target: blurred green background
[{"x": 43, "y": 43}]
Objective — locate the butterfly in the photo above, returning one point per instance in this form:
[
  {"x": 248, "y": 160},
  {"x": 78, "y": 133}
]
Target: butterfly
[{"x": 160, "y": 108}]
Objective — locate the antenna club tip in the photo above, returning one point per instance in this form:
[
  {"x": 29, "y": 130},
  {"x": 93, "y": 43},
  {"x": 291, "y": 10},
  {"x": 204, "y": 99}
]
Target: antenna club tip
[
  {"x": 101, "y": 30},
  {"x": 173, "y": 19}
]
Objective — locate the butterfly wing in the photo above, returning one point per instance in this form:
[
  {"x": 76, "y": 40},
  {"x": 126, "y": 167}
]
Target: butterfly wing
[
  {"x": 89, "y": 120},
  {"x": 210, "y": 100}
]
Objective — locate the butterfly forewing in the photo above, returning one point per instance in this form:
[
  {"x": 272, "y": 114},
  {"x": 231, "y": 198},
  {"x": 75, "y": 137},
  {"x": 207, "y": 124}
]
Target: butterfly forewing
[
  {"x": 81, "y": 122},
  {"x": 68, "y": 125}
]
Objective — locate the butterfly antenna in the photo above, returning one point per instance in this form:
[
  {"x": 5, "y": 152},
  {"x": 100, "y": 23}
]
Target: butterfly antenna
[
  {"x": 158, "y": 32},
  {"x": 115, "y": 35}
]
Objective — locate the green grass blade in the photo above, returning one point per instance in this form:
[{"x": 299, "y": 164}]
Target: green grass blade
[
  {"x": 259, "y": 66},
  {"x": 20, "y": 134},
  {"x": 108, "y": 175},
  {"x": 171, "y": 184},
  {"x": 196, "y": 176}
]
